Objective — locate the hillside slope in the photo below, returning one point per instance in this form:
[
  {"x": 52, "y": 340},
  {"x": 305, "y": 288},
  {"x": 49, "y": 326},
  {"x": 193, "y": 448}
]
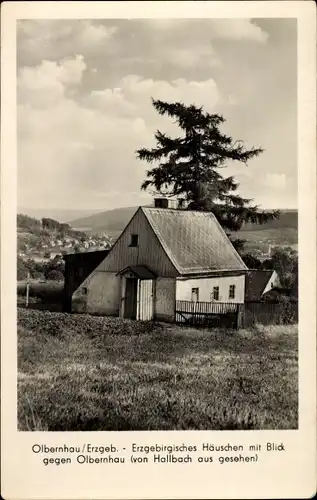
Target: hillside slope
[
  {"x": 111, "y": 222},
  {"x": 60, "y": 214},
  {"x": 283, "y": 230}
]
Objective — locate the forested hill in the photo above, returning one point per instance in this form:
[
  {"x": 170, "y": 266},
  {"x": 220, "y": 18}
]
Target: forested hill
[
  {"x": 114, "y": 221},
  {"x": 288, "y": 219},
  {"x": 37, "y": 226},
  {"x": 111, "y": 221},
  {"x": 45, "y": 226}
]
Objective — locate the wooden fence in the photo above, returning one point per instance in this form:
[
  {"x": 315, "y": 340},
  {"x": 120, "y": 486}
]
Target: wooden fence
[
  {"x": 270, "y": 313},
  {"x": 231, "y": 315},
  {"x": 216, "y": 314}
]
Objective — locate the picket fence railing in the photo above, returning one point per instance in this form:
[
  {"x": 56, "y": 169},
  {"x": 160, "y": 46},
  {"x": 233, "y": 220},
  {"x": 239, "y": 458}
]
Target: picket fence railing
[
  {"x": 232, "y": 315},
  {"x": 207, "y": 313}
]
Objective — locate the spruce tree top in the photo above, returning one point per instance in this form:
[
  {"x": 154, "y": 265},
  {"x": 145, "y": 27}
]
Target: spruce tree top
[{"x": 188, "y": 166}]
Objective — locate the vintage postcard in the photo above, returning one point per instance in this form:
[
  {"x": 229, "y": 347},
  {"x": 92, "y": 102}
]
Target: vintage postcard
[{"x": 158, "y": 250}]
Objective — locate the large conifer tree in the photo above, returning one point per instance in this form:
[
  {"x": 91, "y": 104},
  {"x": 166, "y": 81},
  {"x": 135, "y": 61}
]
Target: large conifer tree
[{"x": 189, "y": 166}]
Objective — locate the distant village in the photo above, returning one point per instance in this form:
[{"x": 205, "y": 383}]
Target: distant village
[
  {"x": 263, "y": 249},
  {"x": 42, "y": 244},
  {"x": 46, "y": 250}
]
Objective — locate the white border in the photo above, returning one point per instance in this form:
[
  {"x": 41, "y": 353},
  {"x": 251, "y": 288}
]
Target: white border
[{"x": 291, "y": 475}]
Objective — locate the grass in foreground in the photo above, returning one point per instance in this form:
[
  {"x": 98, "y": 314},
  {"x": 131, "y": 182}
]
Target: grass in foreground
[{"x": 78, "y": 372}]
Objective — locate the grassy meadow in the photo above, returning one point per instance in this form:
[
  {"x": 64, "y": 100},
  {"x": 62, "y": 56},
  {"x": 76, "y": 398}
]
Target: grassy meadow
[{"x": 79, "y": 372}]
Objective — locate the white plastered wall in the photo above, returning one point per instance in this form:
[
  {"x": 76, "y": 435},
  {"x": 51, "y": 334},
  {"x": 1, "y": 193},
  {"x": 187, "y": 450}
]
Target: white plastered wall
[
  {"x": 165, "y": 296},
  {"x": 273, "y": 282},
  {"x": 206, "y": 285},
  {"x": 103, "y": 294}
]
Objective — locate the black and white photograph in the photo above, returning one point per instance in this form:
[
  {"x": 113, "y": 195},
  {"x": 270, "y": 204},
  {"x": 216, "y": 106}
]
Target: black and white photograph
[
  {"x": 158, "y": 250},
  {"x": 157, "y": 224}
]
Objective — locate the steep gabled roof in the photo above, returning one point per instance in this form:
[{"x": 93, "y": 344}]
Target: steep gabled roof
[
  {"x": 194, "y": 241},
  {"x": 255, "y": 283}
]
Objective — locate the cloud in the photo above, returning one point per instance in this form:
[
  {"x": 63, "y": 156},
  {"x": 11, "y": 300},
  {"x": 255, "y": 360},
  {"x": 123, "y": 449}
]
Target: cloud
[
  {"x": 45, "y": 84},
  {"x": 228, "y": 29},
  {"x": 237, "y": 29},
  {"x": 50, "y": 31},
  {"x": 134, "y": 40},
  {"x": 111, "y": 100},
  {"x": 55, "y": 39},
  {"x": 84, "y": 90},
  {"x": 95, "y": 34},
  {"x": 164, "y": 24},
  {"x": 132, "y": 96},
  {"x": 88, "y": 146},
  {"x": 191, "y": 43},
  {"x": 188, "y": 57},
  {"x": 179, "y": 89},
  {"x": 275, "y": 181}
]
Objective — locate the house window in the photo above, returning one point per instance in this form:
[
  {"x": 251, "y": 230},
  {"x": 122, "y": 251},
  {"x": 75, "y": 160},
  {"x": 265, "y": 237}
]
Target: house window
[
  {"x": 84, "y": 290},
  {"x": 232, "y": 291},
  {"x": 134, "y": 240},
  {"x": 215, "y": 293},
  {"x": 195, "y": 294}
]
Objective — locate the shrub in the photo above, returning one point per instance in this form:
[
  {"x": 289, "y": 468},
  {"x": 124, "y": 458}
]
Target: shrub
[
  {"x": 49, "y": 292},
  {"x": 289, "y": 311},
  {"x": 94, "y": 326},
  {"x": 22, "y": 269},
  {"x": 54, "y": 275}
]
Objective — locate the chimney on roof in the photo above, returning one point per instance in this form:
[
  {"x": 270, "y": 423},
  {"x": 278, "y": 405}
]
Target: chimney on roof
[{"x": 161, "y": 202}]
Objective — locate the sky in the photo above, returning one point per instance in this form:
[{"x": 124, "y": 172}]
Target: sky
[{"x": 84, "y": 103}]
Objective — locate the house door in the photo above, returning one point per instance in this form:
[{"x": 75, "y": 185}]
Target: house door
[
  {"x": 145, "y": 300},
  {"x": 131, "y": 291}
]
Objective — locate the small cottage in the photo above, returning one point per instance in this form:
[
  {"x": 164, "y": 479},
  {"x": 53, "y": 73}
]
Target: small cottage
[
  {"x": 259, "y": 282},
  {"x": 163, "y": 256}
]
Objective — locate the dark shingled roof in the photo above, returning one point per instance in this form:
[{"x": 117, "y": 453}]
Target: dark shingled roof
[
  {"x": 255, "y": 283},
  {"x": 194, "y": 241},
  {"x": 84, "y": 257}
]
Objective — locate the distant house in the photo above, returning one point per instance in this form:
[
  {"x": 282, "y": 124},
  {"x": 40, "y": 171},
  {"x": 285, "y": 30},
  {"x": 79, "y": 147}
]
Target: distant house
[
  {"x": 54, "y": 255},
  {"x": 162, "y": 256},
  {"x": 38, "y": 258},
  {"x": 258, "y": 282}
]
